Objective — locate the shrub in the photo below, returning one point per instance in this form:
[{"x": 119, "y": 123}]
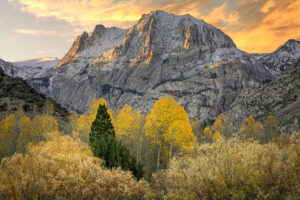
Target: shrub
[
  {"x": 233, "y": 170},
  {"x": 64, "y": 169}
]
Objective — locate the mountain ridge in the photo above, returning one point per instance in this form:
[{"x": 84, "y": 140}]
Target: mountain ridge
[
  {"x": 160, "y": 55},
  {"x": 159, "y": 51},
  {"x": 279, "y": 60},
  {"x": 15, "y": 93}
]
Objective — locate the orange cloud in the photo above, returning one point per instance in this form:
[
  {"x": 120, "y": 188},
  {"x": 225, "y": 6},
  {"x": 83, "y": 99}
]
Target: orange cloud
[
  {"x": 254, "y": 25},
  {"x": 280, "y": 22}
]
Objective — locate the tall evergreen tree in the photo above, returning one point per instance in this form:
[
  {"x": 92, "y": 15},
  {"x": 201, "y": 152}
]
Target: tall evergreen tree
[{"x": 105, "y": 145}]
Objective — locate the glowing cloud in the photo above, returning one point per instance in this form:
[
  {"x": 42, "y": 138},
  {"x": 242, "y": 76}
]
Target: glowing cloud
[
  {"x": 34, "y": 32},
  {"x": 254, "y": 25}
]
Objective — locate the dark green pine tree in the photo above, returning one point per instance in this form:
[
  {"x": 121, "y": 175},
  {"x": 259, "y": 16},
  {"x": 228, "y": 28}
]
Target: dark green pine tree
[{"x": 105, "y": 145}]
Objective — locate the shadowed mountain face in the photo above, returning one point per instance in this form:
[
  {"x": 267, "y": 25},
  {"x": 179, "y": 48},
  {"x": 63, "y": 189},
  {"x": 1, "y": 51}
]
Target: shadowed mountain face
[
  {"x": 280, "y": 98},
  {"x": 15, "y": 93},
  {"x": 162, "y": 54}
]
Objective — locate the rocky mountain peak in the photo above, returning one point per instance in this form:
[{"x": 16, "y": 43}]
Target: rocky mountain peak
[
  {"x": 160, "y": 37},
  {"x": 90, "y": 45},
  {"x": 78, "y": 46},
  {"x": 292, "y": 43},
  {"x": 279, "y": 60},
  {"x": 98, "y": 31}
]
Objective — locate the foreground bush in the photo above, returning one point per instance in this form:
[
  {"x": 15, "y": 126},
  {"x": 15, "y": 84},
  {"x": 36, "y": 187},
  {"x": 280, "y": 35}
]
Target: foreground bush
[
  {"x": 64, "y": 169},
  {"x": 233, "y": 170}
]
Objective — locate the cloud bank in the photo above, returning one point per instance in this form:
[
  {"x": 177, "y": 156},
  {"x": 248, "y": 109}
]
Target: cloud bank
[{"x": 254, "y": 25}]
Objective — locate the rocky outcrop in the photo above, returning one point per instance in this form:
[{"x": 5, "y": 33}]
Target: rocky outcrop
[
  {"x": 280, "y": 98},
  {"x": 279, "y": 60},
  {"x": 8, "y": 67},
  {"x": 90, "y": 45}
]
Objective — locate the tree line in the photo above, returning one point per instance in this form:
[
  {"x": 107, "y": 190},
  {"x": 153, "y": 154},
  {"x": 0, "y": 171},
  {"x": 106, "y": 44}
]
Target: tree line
[{"x": 179, "y": 157}]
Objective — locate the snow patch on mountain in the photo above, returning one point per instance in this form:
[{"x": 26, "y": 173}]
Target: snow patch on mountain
[{"x": 35, "y": 68}]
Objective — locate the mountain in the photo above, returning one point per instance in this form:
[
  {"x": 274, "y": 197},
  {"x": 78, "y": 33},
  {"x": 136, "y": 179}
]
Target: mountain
[
  {"x": 29, "y": 69},
  {"x": 7, "y": 67},
  {"x": 162, "y": 54},
  {"x": 34, "y": 68},
  {"x": 282, "y": 58},
  {"x": 280, "y": 98},
  {"x": 15, "y": 92}
]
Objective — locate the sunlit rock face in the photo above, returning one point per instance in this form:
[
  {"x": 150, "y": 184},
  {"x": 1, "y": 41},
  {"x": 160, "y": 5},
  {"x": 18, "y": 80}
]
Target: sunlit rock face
[{"x": 163, "y": 54}]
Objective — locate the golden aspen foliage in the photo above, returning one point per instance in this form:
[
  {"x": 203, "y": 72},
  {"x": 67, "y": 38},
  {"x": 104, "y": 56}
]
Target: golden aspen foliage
[
  {"x": 165, "y": 112},
  {"x": 159, "y": 127},
  {"x": 207, "y": 135},
  {"x": 127, "y": 121},
  {"x": 43, "y": 124},
  {"x": 128, "y": 125},
  {"x": 63, "y": 168},
  {"x": 18, "y": 130},
  {"x": 180, "y": 136},
  {"x": 216, "y": 136},
  {"x": 26, "y": 135},
  {"x": 250, "y": 128},
  {"x": 222, "y": 126}
]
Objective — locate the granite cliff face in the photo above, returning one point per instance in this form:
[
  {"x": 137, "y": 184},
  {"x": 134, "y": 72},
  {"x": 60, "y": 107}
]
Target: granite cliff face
[
  {"x": 162, "y": 54},
  {"x": 90, "y": 45}
]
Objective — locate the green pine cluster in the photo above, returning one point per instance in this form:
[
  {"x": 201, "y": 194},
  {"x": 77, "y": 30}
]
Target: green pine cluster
[{"x": 105, "y": 145}]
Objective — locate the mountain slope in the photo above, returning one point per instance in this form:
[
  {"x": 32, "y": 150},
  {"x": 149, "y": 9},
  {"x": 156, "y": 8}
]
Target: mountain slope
[
  {"x": 280, "y": 98},
  {"x": 167, "y": 54},
  {"x": 7, "y": 67},
  {"x": 15, "y": 92},
  {"x": 282, "y": 58}
]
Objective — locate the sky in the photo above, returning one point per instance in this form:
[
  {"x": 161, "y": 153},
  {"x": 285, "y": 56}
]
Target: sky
[{"x": 37, "y": 28}]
